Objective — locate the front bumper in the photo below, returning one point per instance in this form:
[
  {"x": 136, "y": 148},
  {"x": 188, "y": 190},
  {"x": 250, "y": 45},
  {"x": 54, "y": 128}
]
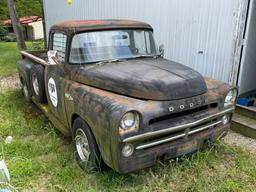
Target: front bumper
[
  {"x": 173, "y": 142},
  {"x": 149, "y": 157}
]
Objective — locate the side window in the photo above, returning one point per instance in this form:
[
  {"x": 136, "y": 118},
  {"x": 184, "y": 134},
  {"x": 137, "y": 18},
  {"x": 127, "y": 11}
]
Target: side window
[
  {"x": 147, "y": 41},
  {"x": 59, "y": 45},
  {"x": 139, "y": 41}
]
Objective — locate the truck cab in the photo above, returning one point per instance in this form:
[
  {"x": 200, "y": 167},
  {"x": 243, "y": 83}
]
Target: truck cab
[{"x": 106, "y": 84}]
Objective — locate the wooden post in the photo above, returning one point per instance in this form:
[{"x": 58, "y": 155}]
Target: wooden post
[
  {"x": 44, "y": 27},
  {"x": 16, "y": 25}
]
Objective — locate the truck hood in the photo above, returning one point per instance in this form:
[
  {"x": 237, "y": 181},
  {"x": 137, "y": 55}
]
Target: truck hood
[{"x": 150, "y": 79}]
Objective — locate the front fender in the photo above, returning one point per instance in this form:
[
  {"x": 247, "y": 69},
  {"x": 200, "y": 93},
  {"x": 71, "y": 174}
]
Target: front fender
[
  {"x": 102, "y": 111},
  {"x": 217, "y": 90}
]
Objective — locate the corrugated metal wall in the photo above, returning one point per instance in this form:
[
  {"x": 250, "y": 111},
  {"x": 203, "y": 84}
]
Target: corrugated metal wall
[{"x": 198, "y": 33}]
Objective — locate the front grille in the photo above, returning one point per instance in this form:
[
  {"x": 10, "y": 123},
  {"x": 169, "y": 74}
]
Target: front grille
[
  {"x": 179, "y": 135},
  {"x": 178, "y": 131},
  {"x": 182, "y": 113}
]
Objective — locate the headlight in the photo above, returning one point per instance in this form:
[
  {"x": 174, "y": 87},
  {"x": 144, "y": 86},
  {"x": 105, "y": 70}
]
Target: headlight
[
  {"x": 130, "y": 120},
  {"x": 225, "y": 119},
  {"x": 127, "y": 150},
  {"x": 231, "y": 96}
]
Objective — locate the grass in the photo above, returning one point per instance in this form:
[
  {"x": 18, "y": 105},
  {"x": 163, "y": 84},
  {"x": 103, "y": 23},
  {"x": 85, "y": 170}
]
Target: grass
[
  {"x": 9, "y": 55},
  {"x": 40, "y": 158}
]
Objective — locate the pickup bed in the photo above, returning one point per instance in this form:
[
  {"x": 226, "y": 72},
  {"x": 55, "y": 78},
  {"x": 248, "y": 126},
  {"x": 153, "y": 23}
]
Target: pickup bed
[
  {"x": 107, "y": 85},
  {"x": 39, "y": 56}
]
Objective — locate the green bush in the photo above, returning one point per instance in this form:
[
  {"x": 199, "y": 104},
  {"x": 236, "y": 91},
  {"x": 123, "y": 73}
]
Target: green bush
[
  {"x": 38, "y": 44},
  {"x": 3, "y": 31},
  {"x": 9, "y": 38}
]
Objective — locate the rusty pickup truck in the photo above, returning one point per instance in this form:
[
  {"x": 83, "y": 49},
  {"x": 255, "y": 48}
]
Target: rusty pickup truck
[{"x": 106, "y": 84}]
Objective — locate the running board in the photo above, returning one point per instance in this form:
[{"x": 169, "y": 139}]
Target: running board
[{"x": 47, "y": 112}]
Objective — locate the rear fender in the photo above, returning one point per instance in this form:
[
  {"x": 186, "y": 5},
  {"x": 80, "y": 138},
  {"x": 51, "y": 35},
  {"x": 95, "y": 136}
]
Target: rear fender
[{"x": 24, "y": 68}]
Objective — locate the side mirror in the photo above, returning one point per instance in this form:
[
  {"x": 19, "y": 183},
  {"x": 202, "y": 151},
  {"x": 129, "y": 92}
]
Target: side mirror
[
  {"x": 53, "y": 57},
  {"x": 161, "y": 50}
]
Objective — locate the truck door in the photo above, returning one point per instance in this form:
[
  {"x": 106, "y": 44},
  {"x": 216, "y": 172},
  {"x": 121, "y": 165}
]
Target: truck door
[{"x": 55, "y": 77}]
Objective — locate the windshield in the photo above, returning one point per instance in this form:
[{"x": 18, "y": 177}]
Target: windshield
[{"x": 111, "y": 45}]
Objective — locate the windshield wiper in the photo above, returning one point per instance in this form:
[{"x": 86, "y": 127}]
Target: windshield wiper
[
  {"x": 109, "y": 61},
  {"x": 99, "y": 63},
  {"x": 145, "y": 56}
]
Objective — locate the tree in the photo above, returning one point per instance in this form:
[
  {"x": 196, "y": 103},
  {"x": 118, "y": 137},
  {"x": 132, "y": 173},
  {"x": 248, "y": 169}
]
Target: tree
[
  {"x": 24, "y": 8},
  {"x": 3, "y": 10},
  {"x": 16, "y": 25}
]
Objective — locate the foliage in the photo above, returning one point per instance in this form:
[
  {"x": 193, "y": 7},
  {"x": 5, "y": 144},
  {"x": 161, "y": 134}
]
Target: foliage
[
  {"x": 9, "y": 38},
  {"x": 10, "y": 55},
  {"x": 3, "y": 31},
  {"x": 23, "y": 7},
  {"x": 37, "y": 45}
]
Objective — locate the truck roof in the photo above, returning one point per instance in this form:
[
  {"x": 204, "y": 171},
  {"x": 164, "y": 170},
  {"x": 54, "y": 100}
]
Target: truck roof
[{"x": 91, "y": 25}]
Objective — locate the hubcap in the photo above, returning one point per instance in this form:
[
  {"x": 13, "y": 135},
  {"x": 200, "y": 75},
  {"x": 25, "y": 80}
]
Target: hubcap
[
  {"x": 35, "y": 84},
  {"x": 82, "y": 145},
  {"x": 25, "y": 90}
]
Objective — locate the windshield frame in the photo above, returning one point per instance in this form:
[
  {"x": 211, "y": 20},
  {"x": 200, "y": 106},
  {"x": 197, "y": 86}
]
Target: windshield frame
[{"x": 116, "y": 29}]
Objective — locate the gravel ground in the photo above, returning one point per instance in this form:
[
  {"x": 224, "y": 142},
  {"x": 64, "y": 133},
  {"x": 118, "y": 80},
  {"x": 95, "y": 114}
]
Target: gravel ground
[
  {"x": 239, "y": 140},
  {"x": 12, "y": 82}
]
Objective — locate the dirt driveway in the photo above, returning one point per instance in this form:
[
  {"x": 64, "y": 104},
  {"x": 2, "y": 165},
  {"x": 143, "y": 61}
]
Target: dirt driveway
[
  {"x": 10, "y": 82},
  {"x": 239, "y": 140}
]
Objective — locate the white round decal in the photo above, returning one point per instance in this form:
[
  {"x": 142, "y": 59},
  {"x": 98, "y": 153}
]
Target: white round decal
[{"x": 52, "y": 90}]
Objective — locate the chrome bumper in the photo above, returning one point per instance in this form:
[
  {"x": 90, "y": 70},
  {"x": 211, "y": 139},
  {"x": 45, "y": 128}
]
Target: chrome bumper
[{"x": 153, "y": 134}]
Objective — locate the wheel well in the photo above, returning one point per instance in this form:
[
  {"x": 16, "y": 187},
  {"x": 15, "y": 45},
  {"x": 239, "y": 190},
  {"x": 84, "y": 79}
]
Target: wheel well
[
  {"x": 21, "y": 79},
  {"x": 73, "y": 118}
]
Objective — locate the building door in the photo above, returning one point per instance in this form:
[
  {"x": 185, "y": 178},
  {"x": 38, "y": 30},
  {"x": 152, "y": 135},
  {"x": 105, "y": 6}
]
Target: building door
[{"x": 247, "y": 72}]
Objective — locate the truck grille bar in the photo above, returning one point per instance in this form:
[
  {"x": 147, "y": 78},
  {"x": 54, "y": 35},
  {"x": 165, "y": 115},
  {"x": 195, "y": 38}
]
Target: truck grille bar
[
  {"x": 177, "y": 128},
  {"x": 178, "y": 136}
]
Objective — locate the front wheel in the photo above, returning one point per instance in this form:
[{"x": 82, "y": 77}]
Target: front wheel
[{"x": 85, "y": 147}]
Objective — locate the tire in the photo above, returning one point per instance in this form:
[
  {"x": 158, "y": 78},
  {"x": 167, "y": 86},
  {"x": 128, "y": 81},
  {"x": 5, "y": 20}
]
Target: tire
[
  {"x": 37, "y": 83},
  {"x": 25, "y": 91},
  {"x": 86, "y": 150}
]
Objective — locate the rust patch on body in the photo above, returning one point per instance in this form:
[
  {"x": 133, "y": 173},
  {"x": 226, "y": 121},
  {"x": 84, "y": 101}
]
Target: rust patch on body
[{"x": 91, "y": 25}]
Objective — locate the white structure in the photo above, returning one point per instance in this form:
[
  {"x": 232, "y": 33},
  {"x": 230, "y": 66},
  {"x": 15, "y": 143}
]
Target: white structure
[
  {"x": 36, "y": 30},
  {"x": 33, "y": 27},
  {"x": 212, "y": 37}
]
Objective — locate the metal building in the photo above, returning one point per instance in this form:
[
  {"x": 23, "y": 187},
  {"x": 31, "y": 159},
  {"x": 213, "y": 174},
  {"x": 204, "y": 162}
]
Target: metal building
[{"x": 214, "y": 37}]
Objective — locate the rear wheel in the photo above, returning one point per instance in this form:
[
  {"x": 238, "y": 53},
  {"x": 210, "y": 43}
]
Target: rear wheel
[
  {"x": 85, "y": 147},
  {"x": 26, "y": 92},
  {"x": 37, "y": 83}
]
